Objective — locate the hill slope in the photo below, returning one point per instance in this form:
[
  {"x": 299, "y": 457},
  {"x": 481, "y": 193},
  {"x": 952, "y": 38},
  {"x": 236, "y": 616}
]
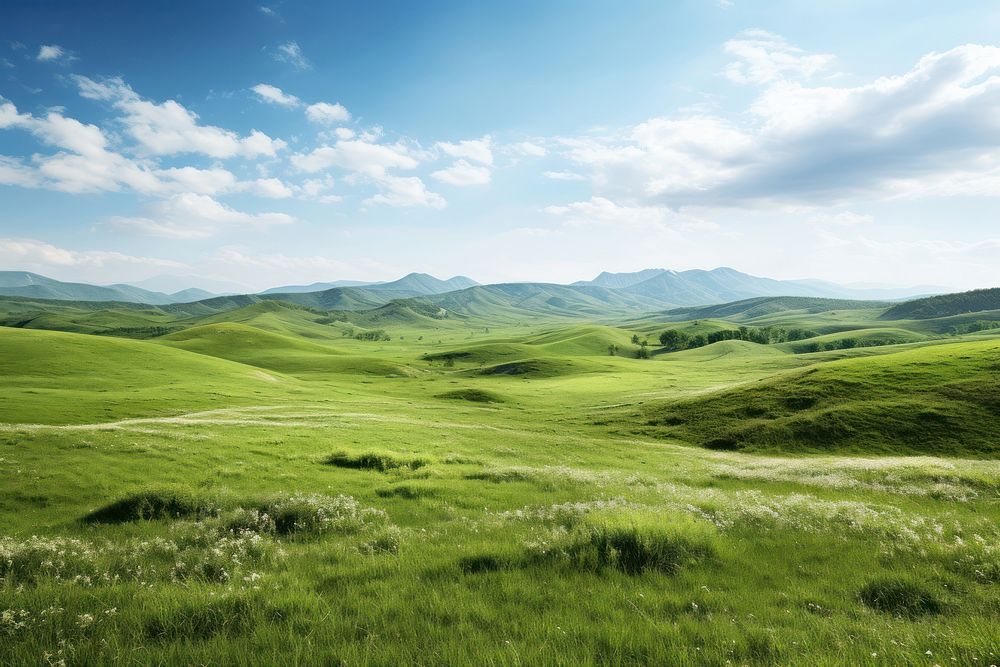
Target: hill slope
[
  {"x": 64, "y": 378},
  {"x": 945, "y": 305},
  {"x": 942, "y": 400},
  {"x": 748, "y": 309}
]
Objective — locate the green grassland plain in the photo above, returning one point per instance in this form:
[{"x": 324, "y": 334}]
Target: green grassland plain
[{"x": 259, "y": 486}]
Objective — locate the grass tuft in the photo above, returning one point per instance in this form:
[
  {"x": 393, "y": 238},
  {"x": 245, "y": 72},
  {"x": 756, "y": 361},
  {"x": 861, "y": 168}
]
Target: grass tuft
[
  {"x": 632, "y": 544},
  {"x": 481, "y": 563},
  {"x": 899, "y": 597}
]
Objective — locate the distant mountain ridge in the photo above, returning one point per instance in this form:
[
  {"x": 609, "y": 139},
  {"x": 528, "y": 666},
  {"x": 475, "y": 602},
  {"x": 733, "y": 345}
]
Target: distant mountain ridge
[
  {"x": 413, "y": 284},
  {"x": 27, "y": 284},
  {"x": 700, "y": 287},
  {"x": 643, "y": 291},
  {"x": 621, "y": 280}
]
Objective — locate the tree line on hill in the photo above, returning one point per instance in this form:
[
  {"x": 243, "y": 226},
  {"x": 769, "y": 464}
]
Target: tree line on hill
[{"x": 673, "y": 340}]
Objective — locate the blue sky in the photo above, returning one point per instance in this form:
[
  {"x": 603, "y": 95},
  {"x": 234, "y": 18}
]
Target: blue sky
[{"x": 307, "y": 141}]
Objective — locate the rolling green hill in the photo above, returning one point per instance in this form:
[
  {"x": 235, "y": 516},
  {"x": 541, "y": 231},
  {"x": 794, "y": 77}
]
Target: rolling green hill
[
  {"x": 942, "y": 400},
  {"x": 945, "y": 305},
  {"x": 514, "y": 302},
  {"x": 749, "y": 309},
  {"x": 62, "y": 378},
  {"x": 275, "y": 352}
]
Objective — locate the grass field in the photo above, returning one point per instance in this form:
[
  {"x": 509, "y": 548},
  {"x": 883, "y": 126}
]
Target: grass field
[{"x": 260, "y": 486}]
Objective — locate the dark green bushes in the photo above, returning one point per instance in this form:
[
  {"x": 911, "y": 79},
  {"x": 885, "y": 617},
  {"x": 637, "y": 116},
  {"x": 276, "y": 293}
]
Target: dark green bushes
[
  {"x": 381, "y": 462},
  {"x": 151, "y": 505}
]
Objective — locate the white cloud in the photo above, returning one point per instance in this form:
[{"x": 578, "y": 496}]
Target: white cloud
[
  {"x": 564, "y": 176},
  {"x": 764, "y": 57},
  {"x": 291, "y": 53},
  {"x": 272, "y": 188},
  {"x": 85, "y": 163},
  {"x": 929, "y": 132},
  {"x": 462, "y": 173},
  {"x": 15, "y": 172},
  {"x": 840, "y": 219},
  {"x": 169, "y": 128},
  {"x": 268, "y": 269},
  {"x": 200, "y": 181},
  {"x": 327, "y": 114},
  {"x": 478, "y": 150},
  {"x": 402, "y": 191},
  {"x": 32, "y": 254},
  {"x": 274, "y": 95},
  {"x": 193, "y": 216},
  {"x": 358, "y": 156},
  {"x": 600, "y": 211},
  {"x": 344, "y": 133},
  {"x": 527, "y": 148},
  {"x": 52, "y": 53}
]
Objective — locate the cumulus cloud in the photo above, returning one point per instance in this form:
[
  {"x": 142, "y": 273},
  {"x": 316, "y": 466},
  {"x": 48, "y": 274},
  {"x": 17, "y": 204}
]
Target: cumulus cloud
[
  {"x": 14, "y": 172},
  {"x": 194, "y": 216},
  {"x": 356, "y": 155},
  {"x": 169, "y": 128},
  {"x": 327, "y": 114},
  {"x": 41, "y": 256},
  {"x": 528, "y": 148},
  {"x": 272, "y": 188},
  {"x": 478, "y": 150},
  {"x": 84, "y": 162},
  {"x": 915, "y": 134},
  {"x": 404, "y": 191},
  {"x": 274, "y": 95},
  {"x": 291, "y": 53},
  {"x": 201, "y": 181},
  {"x": 763, "y": 57},
  {"x": 463, "y": 173}
]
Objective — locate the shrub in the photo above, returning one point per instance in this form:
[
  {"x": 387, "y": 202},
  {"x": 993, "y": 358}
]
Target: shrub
[
  {"x": 900, "y": 597},
  {"x": 305, "y": 514},
  {"x": 373, "y": 461},
  {"x": 404, "y": 491},
  {"x": 480, "y": 563},
  {"x": 474, "y": 395},
  {"x": 152, "y": 505},
  {"x": 385, "y": 541}
]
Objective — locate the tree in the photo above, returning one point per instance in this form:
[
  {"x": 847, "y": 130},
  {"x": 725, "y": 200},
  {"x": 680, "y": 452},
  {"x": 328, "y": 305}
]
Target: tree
[
  {"x": 673, "y": 340},
  {"x": 612, "y": 350},
  {"x": 635, "y": 339},
  {"x": 642, "y": 353}
]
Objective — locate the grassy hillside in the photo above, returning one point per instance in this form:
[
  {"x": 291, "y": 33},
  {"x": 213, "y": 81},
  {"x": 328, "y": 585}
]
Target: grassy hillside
[
  {"x": 58, "y": 378},
  {"x": 275, "y": 352},
  {"x": 945, "y": 305},
  {"x": 942, "y": 400},
  {"x": 749, "y": 309},
  {"x": 260, "y": 486},
  {"x": 524, "y": 301}
]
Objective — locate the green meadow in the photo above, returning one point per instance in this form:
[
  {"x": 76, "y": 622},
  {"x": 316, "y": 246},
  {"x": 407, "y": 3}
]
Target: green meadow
[{"x": 488, "y": 480}]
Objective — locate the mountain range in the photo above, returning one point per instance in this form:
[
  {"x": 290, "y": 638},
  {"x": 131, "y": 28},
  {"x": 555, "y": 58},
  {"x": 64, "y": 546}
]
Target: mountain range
[{"x": 650, "y": 289}]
